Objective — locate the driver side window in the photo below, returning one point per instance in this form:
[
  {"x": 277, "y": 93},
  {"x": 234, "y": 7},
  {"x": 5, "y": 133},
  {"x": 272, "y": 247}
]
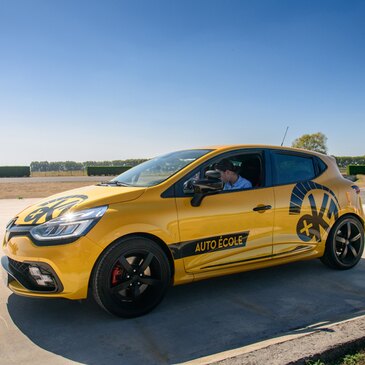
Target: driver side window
[{"x": 248, "y": 166}]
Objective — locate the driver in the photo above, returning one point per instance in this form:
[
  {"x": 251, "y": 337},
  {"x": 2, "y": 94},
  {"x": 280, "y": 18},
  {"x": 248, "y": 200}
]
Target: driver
[{"x": 230, "y": 177}]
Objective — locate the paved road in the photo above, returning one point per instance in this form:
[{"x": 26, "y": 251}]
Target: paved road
[
  {"x": 4, "y": 180},
  {"x": 193, "y": 321}
]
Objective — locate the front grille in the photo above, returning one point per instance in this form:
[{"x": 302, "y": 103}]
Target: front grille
[
  {"x": 20, "y": 230},
  {"x": 21, "y": 267}
]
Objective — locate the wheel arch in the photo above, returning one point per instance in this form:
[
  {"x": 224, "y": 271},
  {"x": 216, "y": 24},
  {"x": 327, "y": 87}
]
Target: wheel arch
[
  {"x": 346, "y": 215},
  {"x": 149, "y": 236},
  {"x": 356, "y": 216},
  {"x": 330, "y": 258},
  {"x": 158, "y": 241}
]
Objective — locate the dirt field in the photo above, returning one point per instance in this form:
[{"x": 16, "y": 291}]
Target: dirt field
[
  {"x": 59, "y": 173},
  {"x": 361, "y": 181},
  {"x": 19, "y": 190}
]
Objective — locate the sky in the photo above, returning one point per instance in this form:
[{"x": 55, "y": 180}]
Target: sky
[{"x": 117, "y": 79}]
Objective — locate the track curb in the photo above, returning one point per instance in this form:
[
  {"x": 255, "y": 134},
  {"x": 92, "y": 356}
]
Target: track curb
[{"x": 325, "y": 341}]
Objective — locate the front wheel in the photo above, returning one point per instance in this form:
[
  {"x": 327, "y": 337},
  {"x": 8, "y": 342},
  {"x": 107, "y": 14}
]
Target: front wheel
[
  {"x": 345, "y": 244},
  {"x": 131, "y": 277}
]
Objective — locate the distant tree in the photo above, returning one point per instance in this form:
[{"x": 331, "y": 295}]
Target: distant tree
[
  {"x": 313, "y": 142},
  {"x": 133, "y": 161},
  {"x": 72, "y": 166},
  {"x": 89, "y": 163},
  {"x": 344, "y": 161},
  {"x": 43, "y": 166},
  {"x": 35, "y": 166},
  {"x": 117, "y": 163},
  {"x": 55, "y": 166},
  {"x": 97, "y": 163}
]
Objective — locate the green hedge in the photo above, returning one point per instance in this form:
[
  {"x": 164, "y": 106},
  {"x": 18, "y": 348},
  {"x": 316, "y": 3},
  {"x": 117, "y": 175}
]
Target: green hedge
[
  {"x": 14, "y": 171},
  {"x": 344, "y": 161},
  {"x": 106, "y": 170},
  {"x": 356, "y": 169}
]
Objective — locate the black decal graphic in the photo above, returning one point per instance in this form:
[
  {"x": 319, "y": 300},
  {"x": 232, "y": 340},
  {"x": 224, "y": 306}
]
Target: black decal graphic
[
  {"x": 309, "y": 225},
  {"x": 210, "y": 244},
  {"x": 53, "y": 208}
]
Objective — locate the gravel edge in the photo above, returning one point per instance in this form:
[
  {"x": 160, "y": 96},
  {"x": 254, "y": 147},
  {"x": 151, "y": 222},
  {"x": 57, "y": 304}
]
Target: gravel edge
[{"x": 323, "y": 341}]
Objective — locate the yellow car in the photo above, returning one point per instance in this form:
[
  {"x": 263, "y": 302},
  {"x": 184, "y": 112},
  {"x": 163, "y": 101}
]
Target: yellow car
[{"x": 178, "y": 218}]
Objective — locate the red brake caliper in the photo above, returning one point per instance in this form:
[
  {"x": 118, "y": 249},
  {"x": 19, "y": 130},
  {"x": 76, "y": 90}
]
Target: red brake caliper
[{"x": 116, "y": 274}]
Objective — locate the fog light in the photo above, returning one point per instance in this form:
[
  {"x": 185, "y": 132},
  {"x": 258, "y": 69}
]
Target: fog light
[{"x": 42, "y": 279}]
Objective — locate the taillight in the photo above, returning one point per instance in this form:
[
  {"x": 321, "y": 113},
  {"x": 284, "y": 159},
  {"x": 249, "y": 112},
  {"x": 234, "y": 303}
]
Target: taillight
[{"x": 356, "y": 188}]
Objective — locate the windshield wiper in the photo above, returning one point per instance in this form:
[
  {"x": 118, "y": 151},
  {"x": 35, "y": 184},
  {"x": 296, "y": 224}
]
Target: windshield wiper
[{"x": 116, "y": 183}]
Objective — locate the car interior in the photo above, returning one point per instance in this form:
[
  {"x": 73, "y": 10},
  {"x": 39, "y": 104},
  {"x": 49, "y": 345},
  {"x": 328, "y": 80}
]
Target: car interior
[{"x": 249, "y": 166}]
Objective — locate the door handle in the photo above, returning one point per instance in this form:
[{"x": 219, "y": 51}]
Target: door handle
[{"x": 262, "y": 208}]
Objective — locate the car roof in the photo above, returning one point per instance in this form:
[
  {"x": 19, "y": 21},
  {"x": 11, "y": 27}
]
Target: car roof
[{"x": 260, "y": 146}]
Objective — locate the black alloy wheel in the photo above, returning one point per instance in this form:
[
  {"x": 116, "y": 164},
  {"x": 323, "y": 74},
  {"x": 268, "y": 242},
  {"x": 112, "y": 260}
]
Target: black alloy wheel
[
  {"x": 345, "y": 244},
  {"x": 131, "y": 277}
]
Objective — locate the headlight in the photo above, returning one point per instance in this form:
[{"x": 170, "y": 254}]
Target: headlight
[
  {"x": 11, "y": 222},
  {"x": 69, "y": 226}
]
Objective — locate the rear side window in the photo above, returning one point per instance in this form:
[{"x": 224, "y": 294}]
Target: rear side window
[
  {"x": 321, "y": 166},
  {"x": 292, "y": 168}
]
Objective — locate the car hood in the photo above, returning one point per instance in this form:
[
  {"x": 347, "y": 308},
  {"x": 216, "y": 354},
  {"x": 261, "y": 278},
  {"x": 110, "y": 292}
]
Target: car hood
[{"x": 75, "y": 200}]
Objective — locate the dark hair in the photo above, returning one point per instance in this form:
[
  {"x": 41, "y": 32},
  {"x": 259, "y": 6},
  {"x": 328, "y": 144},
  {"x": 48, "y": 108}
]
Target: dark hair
[{"x": 225, "y": 165}]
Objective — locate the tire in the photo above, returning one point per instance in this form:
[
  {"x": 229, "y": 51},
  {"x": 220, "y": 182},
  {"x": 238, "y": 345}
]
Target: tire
[
  {"x": 345, "y": 244},
  {"x": 131, "y": 277}
]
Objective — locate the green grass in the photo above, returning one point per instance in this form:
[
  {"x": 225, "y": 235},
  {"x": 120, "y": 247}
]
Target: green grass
[
  {"x": 350, "y": 359},
  {"x": 356, "y": 359},
  {"x": 317, "y": 362}
]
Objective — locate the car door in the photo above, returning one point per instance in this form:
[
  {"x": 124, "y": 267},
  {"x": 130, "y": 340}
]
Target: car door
[
  {"x": 229, "y": 228},
  {"x": 304, "y": 207}
]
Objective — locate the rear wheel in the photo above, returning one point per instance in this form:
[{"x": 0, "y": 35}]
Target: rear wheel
[
  {"x": 345, "y": 244},
  {"x": 131, "y": 277}
]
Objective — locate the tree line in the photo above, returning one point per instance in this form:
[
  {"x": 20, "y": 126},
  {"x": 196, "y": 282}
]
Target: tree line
[
  {"x": 314, "y": 142},
  {"x": 345, "y": 161},
  {"x": 41, "y": 166}
]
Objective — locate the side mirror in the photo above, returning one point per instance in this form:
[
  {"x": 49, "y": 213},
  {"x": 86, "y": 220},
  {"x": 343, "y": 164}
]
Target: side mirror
[
  {"x": 206, "y": 187},
  {"x": 189, "y": 186},
  {"x": 213, "y": 174}
]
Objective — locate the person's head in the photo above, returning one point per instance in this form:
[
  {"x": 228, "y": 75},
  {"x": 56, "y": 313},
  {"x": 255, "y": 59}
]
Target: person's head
[{"x": 227, "y": 171}]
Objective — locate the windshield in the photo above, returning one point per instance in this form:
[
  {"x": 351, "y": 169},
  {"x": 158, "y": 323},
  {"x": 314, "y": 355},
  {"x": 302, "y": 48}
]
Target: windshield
[{"x": 158, "y": 169}]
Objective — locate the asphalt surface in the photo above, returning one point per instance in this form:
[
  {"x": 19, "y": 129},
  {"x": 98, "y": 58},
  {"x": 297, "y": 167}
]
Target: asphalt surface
[
  {"x": 192, "y": 322},
  {"x": 4, "y": 180},
  {"x": 327, "y": 342}
]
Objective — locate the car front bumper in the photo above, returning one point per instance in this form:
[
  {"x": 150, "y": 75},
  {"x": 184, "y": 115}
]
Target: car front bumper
[{"x": 64, "y": 270}]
